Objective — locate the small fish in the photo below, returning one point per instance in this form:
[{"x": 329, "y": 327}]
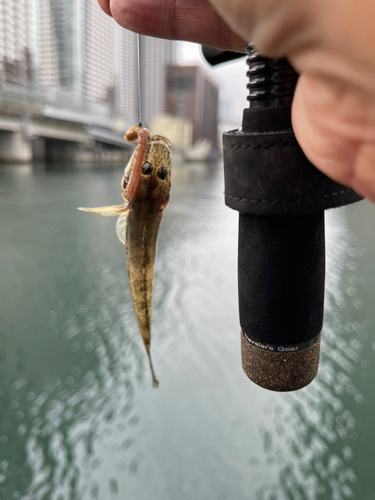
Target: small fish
[{"x": 145, "y": 188}]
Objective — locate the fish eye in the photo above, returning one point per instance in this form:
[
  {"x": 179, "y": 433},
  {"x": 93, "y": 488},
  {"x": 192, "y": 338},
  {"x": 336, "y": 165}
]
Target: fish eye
[
  {"x": 146, "y": 168},
  {"x": 162, "y": 173}
]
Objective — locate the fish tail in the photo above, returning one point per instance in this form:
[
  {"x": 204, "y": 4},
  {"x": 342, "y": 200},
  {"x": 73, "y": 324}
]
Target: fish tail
[{"x": 155, "y": 381}]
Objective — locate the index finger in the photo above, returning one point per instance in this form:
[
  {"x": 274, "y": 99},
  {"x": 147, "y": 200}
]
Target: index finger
[{"x": 189, "y": 20}]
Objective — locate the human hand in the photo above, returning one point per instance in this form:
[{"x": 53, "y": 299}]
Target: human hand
[{"x": 331, "y": 44}]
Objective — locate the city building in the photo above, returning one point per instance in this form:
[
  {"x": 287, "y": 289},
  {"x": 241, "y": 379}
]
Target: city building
[
  {"x": 54, "y": 48},
  {"x": 156, "y": 55},
  {"x": 17, "y": 41},
  {"x": 193, "y": 95},
  {"x": 127, "y": 75},
  {"x": 178, "y": 130},
  {"x": 81, "y": 60},
  {"x": 99, "y": 55},
  {"x": 69, "y": 81}
]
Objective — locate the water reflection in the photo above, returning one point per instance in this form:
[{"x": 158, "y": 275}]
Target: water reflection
[
  {"x": 69, "y": 361},
  {"x": 314, "y": 440},
  {"x": 79, "y": 419},
  {"x": 57, "y": 434}
]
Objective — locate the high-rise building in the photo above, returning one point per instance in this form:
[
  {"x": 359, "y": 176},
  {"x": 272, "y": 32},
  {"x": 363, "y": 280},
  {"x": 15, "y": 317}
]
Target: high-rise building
[
  {"x": 193, "y": 95},
  {"x": 156, "y": 55},
  {"x": 82, "y": 57},
  {"x": 84, "y": 51},
  {"x": 16, "y": 41},
  {"x": 127, "y": 79},
  {"x": 99, "y": 55},
  {"x": 54, "y": 43}
]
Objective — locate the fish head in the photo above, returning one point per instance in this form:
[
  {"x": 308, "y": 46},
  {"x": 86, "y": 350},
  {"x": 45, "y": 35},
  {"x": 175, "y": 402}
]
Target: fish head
[{"x": 155, "y": 176}]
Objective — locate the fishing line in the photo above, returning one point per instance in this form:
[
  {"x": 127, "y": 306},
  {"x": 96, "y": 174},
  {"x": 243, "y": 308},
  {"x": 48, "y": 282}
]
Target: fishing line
[{"x": 139, "y": 78}]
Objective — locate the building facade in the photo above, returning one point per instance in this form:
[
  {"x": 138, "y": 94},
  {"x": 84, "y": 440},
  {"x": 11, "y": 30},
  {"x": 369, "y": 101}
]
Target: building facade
[
  {"x": 80, "y": 56},
  {"x": 193, "y": 95},
  {"x": 156, "y": 55},
  {"x": 54, "y": 43},
  {"x": 17, "y": 41}
]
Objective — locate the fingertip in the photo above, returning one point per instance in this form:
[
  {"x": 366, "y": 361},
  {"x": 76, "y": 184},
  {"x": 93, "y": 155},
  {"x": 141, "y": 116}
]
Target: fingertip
[{"x": 105, "y": 6}]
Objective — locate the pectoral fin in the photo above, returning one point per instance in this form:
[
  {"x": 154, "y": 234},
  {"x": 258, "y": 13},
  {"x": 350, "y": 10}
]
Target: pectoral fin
[
  {"x": 121, "y": 227},
  {"x": 111, "y": 211}
]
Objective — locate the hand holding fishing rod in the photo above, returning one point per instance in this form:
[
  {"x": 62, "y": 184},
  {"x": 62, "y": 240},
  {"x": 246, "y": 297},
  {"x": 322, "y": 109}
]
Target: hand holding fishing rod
[{"x": 330, "y": 44}]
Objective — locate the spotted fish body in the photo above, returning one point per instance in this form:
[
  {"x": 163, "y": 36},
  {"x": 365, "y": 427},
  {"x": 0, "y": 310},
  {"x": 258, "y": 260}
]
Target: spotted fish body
[
  {"x": 145, "y": 189},
  {"x": 141, "y": 233}
]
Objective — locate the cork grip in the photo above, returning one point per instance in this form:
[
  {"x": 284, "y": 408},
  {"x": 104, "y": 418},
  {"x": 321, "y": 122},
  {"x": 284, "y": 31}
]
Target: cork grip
[{"x": 281, "y": 372}]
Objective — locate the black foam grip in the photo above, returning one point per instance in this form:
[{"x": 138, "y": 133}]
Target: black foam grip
[
  {"x": 281, "y": 277},
  {"x": 267, "y": 173}
]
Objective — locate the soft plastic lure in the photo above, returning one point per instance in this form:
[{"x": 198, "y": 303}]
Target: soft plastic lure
[{"x": 145, "y": 188}]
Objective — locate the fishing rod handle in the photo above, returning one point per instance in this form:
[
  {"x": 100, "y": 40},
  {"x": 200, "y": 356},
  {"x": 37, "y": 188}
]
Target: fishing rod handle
[{"x": 281, "y": 198}]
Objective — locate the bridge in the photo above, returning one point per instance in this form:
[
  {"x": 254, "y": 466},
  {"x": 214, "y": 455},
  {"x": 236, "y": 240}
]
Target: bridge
[{"x": 36, "y": 124}]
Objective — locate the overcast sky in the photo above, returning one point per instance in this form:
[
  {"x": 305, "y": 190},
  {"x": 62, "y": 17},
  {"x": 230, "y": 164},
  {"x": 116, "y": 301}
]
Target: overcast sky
[{"x": 231, "y": 78}]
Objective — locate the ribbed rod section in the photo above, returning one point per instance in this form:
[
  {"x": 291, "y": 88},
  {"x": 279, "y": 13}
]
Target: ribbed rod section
[{"x": 271, "y": 81}]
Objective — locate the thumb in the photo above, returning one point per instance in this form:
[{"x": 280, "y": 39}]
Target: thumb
[{"x": 335, "y": 126}]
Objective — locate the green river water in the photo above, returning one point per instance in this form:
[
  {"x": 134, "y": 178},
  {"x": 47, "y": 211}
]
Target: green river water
[{"x": 79, "y": 418}]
